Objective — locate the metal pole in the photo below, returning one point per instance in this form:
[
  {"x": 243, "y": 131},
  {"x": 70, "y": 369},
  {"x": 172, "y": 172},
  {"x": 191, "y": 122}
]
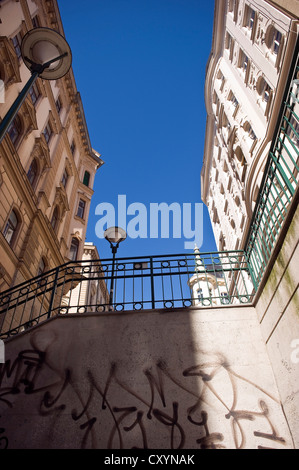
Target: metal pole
[
  {"x": 114, "y": 250},
  {"x": 11, "y": 114}
]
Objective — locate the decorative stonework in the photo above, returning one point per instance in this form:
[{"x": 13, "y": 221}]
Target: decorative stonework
[
  {"x": 41, "y": 152},
  {"x": 9, "y": 62}
]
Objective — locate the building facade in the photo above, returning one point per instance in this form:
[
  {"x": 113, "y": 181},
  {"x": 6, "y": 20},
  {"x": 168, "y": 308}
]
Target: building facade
[
  {"x": 252, "y": 49},
  {"x": 213, "y": 366},
  {"x": 249, "y": 178},
  {"x": 91, "y": 292},
  {"x": 47, "y": 164}
]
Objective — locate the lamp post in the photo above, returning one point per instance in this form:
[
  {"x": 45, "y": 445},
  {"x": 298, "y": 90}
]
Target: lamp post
[
  {"x": 47, "y": 55},
  {"x": 114, "y": 235}
]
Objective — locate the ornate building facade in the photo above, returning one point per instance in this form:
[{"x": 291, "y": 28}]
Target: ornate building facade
[
  {"x": 252, "y": 49},
  {"x": 47, "y": 163}
]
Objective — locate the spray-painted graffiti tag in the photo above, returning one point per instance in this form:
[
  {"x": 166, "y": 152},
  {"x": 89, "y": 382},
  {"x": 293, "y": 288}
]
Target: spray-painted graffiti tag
[{"x": 175, "y": 409}]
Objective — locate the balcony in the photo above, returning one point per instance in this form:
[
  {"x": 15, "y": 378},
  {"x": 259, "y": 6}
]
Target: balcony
[{"x": 218, "y": 279}]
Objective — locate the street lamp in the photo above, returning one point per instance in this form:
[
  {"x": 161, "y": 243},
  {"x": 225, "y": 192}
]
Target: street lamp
[
  {"x": 47, "y": 55},
  {"x": 114, "y": 235}
]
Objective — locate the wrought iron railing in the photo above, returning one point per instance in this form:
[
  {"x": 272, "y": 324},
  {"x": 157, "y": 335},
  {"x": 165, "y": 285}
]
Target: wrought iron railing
[
  {"x": 150, "y": 282},
  {"x": 280, "y": 180}
]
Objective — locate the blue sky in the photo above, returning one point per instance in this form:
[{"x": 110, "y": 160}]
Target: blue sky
[{"x": 139, "y": 66}]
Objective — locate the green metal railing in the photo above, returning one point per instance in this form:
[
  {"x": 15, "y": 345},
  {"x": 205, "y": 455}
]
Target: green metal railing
[{"x": 280, "y": 180}]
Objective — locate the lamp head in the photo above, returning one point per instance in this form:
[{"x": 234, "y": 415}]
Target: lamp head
[
  {"x": 42, "y": 45},
  {"x": 115, "y": 235}
]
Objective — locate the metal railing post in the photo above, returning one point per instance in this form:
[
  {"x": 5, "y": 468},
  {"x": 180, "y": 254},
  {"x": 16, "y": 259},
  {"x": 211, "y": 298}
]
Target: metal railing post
[
  {"x": 53, "y": 292},
  {"x": 152, "y": 283}
]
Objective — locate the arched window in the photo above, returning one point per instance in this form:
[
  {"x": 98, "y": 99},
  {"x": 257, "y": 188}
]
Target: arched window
[
  {"x": 42, "y": 266},
  {"x": 15, "y": 130},
  {"x": 55, "y": 217},
  {"x": 263, "y": 89},
  {"x": 240, "y": 156},
  {"x": 11, "y": 226},
  {"x": 33, "y": 172},
  {"x": 247, "y": 128},
  {"x": 74, "y": 249}
]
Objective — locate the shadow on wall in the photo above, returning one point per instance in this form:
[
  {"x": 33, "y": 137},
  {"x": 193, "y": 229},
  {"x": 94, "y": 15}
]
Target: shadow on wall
[{"x": 196, "y": 379}]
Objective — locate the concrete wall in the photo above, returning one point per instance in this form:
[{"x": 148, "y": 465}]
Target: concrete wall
[
  {"x": 186, "y": 378},
  {"x": 278, "y": 313}
]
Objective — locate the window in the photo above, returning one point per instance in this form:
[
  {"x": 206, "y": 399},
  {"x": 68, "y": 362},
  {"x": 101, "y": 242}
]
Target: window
[
  {"x": 55, "y": 217},
  {"x": 277, "y": 37},
  {"x": 292, "y": 129},
  {"x": 73, "y": 147},
  {"x": 32, "y": 172},
  {"x": 64, "y": 178},
  {"x": 41, "y": 267},
  {"x": 81, "y": 209},
  {"x": 47, "y": 132},
  {"x": 229, "y": 45},
  {"x": 263, "y": 89},
  {"x": 228, "y": 41},
  {"x": 273, "y": 39},
  {"x": 200, "y": 294},
  {"x": 35, "y": 21},
  {"x": 243, "y": 61},
  {"x": 220, "y": 77},
  {"x": 250, "y": 131},
  {"x": 17, "y": 40},
  {"x": 42, "y": 282},
  {"x": 15, "y": 130},
  {"x": 266, "y": 92},
  {"x": 240, "y": 156},
  {"x": 224, "y": 298},
  {"x": 249, "y": 17},
  {"x": 86, "y": 178},
  {"x": 74, "y": 249},
  {"x": 233, "y": 8},
  {"x": 233, "y": 99},
  {"x": 58, "y": 105},
  {"x": 11, "y": 227},
  {"x": 34, "y": 93}
]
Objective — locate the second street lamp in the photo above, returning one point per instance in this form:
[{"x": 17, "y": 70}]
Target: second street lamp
[
  {"x": 114, "y": 235},
  {"x": 47, "y": 55}
]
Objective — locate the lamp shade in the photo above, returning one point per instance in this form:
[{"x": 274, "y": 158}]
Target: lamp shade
[
  {"x": 41, "y": 45},
  {"x": 115, "y": 234}
]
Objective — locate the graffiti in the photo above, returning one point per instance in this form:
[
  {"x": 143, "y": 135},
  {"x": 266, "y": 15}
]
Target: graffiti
[{"x": 105, "y": 410}]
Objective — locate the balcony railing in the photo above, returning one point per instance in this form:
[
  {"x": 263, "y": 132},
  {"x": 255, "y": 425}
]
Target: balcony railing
[
  {"x": 149, "y": 282},
  {"x": 280, "y": 180}
]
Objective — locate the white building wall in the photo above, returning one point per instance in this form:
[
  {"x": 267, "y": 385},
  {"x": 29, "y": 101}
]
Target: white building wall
[{"x": 242, "y": 96}]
